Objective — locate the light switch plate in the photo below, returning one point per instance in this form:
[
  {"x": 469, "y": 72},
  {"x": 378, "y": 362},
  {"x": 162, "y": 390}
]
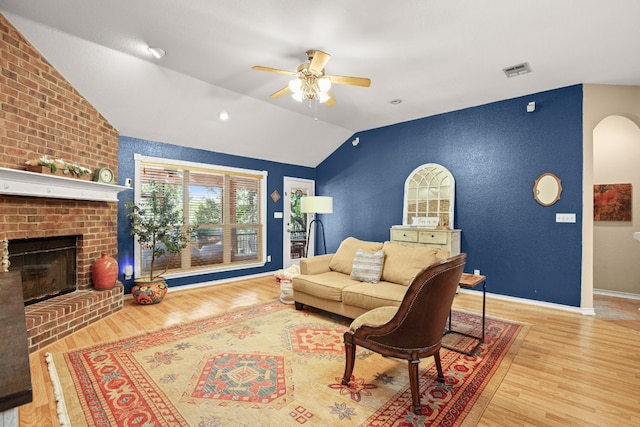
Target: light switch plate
[{"x": 566, "y": 217}]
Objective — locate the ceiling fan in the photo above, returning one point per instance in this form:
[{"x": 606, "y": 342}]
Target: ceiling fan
[{"x": 311, "y": 82}]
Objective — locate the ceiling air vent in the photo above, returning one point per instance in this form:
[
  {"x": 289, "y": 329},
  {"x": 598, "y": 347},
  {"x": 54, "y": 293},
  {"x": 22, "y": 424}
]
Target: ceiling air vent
[{"x": 517, "y": 70}]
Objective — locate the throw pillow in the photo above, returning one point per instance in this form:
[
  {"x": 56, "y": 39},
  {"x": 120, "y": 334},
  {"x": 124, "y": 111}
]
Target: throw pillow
[
  {"x": 403, "y": 262},
  {"x": 367, "y": 266},
  {"x": 342, "y": 260}
]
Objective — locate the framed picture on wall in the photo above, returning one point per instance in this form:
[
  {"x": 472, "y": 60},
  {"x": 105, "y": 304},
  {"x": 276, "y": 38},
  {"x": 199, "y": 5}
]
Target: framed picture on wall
[{"x": 612, "y": 202}]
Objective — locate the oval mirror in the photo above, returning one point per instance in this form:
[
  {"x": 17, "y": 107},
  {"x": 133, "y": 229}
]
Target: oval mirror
[{"x": 547, "y": 189}]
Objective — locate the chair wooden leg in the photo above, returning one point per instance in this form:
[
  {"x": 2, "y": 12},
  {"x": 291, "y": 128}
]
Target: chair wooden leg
[
  {"x": 414, "y": 382},
  {"x": 350, "y": 358},
  {"x": 436, "y": 356}
]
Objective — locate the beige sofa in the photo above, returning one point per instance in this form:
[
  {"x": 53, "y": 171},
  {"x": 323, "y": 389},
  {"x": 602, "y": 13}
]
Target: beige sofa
[{"x": 345, "y": 282}]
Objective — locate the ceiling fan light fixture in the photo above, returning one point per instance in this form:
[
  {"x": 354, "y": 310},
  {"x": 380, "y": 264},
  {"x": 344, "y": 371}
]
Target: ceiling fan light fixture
[
  {"x": 156, "y": 52},
  {"x": 324, "y": 83},
  {"x": 323, "y": 97},
  {"x": 295, "y": 85},
  {"x": 310, "y": 81}
]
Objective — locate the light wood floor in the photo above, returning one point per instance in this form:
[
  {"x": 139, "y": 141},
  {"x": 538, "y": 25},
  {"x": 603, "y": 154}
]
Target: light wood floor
[
  {"x": 621, "y": 311},
  {"x": 571, "y": 370}
]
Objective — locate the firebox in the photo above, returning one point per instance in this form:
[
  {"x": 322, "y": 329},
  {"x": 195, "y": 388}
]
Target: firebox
[{"x": 48, "y": 266}]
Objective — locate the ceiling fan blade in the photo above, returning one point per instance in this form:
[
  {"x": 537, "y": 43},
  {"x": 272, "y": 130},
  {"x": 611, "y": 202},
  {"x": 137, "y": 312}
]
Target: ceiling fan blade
[
  {"x": 281, "y": 92},
  {"x": 318, "y": 62},
  {"x": 329, "y": 102},
  {"x": 353, "y": 81},
  {"x": 273, "y": 70}
]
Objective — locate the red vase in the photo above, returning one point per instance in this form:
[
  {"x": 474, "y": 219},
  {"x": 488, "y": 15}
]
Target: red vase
[{"x": 104, "y": 273}]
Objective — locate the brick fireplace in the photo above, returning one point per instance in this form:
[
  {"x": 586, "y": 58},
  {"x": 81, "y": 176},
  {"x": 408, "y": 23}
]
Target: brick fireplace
[
  {"x": 42, "y": 114},
  {"x": 95, "y": 224}
]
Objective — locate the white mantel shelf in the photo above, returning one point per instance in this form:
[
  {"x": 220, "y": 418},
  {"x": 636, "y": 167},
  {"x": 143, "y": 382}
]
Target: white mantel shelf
[{"x": 24, "y": 183}]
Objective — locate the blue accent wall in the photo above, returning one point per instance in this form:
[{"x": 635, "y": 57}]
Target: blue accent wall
[
  {"x": 495, "y": 153},
  {"x": 276, "y": 173}
]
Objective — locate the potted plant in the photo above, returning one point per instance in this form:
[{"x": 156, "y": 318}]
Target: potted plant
[{"x": 159, "y": 226}]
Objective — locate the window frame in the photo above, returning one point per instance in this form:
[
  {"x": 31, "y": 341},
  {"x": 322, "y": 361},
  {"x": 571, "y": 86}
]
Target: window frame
[{"x": 140, "y": 160}]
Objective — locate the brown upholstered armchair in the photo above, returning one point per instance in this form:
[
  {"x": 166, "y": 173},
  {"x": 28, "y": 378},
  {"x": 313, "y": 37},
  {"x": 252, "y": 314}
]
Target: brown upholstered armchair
[{"x": 413, "y": 330}]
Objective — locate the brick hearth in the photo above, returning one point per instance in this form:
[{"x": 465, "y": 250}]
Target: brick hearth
[{"x": 50, "y": 320}]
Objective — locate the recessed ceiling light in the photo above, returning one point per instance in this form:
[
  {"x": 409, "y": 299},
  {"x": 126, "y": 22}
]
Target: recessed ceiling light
[
  {"x": 395, "y": 101},
  {"x": 223, "y": 115},
  {"x": 156, "y": 52}
]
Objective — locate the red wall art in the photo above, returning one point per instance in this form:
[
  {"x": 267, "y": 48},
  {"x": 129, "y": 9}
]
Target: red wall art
[{"x": 612, "y": 202}]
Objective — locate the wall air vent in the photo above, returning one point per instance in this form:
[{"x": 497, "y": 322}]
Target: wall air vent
[{"x": 516, "y": 70}]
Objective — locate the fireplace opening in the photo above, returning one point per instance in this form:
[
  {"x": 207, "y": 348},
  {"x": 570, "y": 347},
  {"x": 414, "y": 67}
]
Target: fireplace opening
[{"x": 48, "y": 266}]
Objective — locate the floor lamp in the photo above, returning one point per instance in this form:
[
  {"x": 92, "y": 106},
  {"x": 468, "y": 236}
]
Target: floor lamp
[{"x": 316, "y": 205}]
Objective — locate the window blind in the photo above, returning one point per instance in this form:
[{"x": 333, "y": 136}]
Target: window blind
[{"x": 225, "y": 205}]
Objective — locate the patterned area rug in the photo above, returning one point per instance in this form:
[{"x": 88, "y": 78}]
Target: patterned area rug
[{"x": 270, "y": 365}]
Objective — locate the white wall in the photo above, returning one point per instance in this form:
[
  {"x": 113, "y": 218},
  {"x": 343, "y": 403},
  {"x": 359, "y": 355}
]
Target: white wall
[{"x": 616, "y": 160}]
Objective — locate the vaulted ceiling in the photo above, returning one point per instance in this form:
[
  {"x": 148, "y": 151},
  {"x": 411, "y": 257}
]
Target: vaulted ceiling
[{"x": 435, "y": 56}]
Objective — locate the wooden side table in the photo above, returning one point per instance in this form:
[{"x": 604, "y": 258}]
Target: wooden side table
[{"x": 470, "y": 281}]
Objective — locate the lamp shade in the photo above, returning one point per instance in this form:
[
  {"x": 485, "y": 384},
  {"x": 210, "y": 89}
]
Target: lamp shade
[
  {"x": 316, "y": 204},
  {"x": 323, "y": 97},
  {"x": 295, "y": 85},
  {"x": 324, "y": 83}
]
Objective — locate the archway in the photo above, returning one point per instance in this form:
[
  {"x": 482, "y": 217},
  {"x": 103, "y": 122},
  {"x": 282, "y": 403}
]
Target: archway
[
  {"x": 616, "y": 156},
  {"x": 599, "y": 102}
]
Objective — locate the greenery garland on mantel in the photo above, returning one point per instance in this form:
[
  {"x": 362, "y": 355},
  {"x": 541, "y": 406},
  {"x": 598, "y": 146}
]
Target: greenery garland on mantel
[{"x": 58, "y": 167}]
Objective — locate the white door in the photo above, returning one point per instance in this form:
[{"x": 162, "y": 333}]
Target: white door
[{"x": 296, "y": 224}]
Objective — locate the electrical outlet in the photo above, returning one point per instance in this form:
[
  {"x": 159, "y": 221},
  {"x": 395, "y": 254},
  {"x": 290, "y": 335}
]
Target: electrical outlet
[
  {"x": 268, "y": 258},
  {"x": 566, "y": 217},
  {"x": 476, "y": 272}
]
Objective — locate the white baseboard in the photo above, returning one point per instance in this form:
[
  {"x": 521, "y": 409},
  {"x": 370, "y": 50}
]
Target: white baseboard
[
  {"x": 584, "y": 311},
  {"x": 532, "y": 302},
  {"x": 616, "y": 294},
  {"x": 221, "y": 281}
]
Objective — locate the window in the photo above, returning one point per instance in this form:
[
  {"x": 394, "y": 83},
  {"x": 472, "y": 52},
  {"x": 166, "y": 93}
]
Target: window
[{"x": 226, "y": 204}]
